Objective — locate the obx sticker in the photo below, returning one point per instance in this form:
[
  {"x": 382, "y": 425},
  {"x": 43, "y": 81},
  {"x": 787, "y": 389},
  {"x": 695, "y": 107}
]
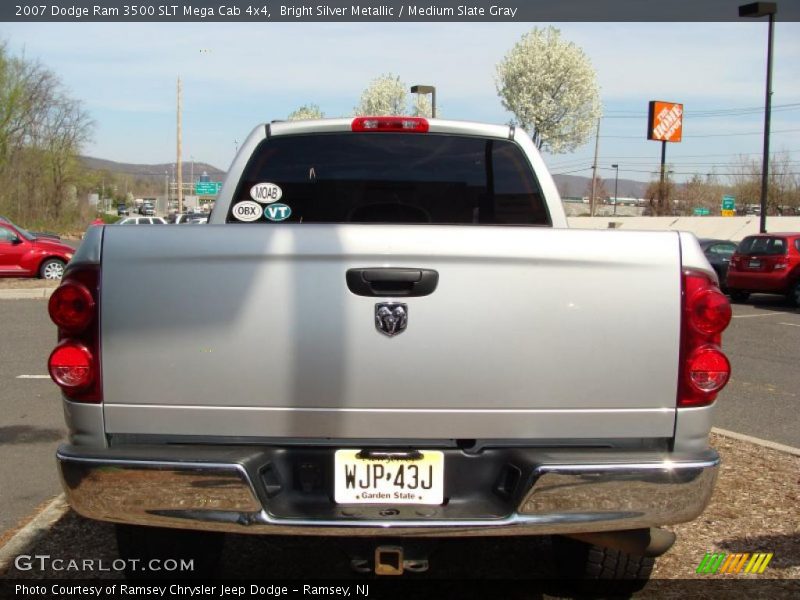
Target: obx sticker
[{"x": 247, "y": 211}]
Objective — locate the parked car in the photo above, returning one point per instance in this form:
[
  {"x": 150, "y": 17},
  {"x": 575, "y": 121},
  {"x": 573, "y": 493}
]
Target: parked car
[
  {"x": 141, "y": 221},
  {"x": 38, "y": 234},
  {"x": 147, "y": 209},
  {"x": 767, "y": 263},
  {"x": 718, "y": 253},
  {"x": 184, "y": 218},
  {"x": 416, "y": 355},
  {"x": 23, "y": 254},
  {"x": 123, "y": 210}
]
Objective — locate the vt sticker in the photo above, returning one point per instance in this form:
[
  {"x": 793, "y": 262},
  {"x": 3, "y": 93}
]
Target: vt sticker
[{"x": 277, "y": 212}]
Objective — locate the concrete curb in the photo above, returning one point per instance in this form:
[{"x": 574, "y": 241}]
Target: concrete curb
[
  {"x": 28, "y": 536},
  {"x": 758, "y": 441},
  {"x": 26, "y": 293}
]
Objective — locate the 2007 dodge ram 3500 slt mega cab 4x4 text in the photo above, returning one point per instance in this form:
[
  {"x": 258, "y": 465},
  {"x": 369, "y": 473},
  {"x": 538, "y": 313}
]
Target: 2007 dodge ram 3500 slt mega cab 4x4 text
[{"x": 387, "y": 329}]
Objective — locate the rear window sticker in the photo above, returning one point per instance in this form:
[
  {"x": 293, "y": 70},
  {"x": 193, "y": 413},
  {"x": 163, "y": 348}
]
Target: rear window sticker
[
  {"x": 266, "y": 192},
  {"x": 277, "y": 212},
  {"x": 247, "y": 211}
]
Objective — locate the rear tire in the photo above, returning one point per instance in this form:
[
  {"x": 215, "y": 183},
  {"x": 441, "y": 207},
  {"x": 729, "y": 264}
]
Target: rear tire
[
  {"x": 578, "y": 560},
  {"x": 144, "y": 544},
  {"x": 52, "y": 268},
  {"x": 739, "y": 297},
  {"x": 794, "y": 294}
]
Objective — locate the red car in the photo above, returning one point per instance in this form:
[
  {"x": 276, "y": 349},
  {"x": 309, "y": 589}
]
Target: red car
[
  {"x": 767, "y": 263},
  {"x": 23, "y": 254}
]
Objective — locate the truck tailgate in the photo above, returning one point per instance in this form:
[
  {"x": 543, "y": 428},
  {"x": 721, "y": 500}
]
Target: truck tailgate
[{"x": 532, "y": 333}]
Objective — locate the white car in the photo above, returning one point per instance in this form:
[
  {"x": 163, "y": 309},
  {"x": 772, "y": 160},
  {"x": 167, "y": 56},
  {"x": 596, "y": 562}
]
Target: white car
[
  {"x": 189, "y": 218},
  {"x": 141, "y": 221}
]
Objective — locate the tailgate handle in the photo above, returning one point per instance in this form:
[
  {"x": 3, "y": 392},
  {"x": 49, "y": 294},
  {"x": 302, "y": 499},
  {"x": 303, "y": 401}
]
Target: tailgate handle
[{"x": 391, "y": 281}]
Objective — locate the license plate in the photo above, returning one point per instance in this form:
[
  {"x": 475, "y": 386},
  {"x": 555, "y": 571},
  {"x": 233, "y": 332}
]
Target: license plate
[
  {"x": 367, "y": 480},
  {"x": 755, "y": 264}
]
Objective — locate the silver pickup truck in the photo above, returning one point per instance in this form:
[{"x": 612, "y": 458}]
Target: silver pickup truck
[{"x": 387, "y": 329}]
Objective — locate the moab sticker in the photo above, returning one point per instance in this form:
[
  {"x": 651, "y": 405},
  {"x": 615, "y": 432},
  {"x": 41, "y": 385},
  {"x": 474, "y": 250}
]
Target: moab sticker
[
  {"x": 247, "y": 210},
  {"x": 277, "y": 212},
  {"x": 266, "y": 193}
]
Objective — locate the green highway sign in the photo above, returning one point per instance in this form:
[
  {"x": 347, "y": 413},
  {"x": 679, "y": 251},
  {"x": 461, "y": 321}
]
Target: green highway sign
[
  {"x": 207, "y": 188},
  {"x": 728, "y": 203},
  {"x": 701, "y": 212}
]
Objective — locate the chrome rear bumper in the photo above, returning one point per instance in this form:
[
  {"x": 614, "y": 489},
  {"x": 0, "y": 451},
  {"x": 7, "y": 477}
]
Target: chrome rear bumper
[{"x": 220, "y": 489}]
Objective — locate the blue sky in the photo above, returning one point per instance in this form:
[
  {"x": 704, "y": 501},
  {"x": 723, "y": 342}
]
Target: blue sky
[{"x": 238, "y": 75}]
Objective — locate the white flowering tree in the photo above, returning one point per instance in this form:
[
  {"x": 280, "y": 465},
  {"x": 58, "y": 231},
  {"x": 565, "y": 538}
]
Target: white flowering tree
[
  {"x": 307, "y": 111},
  {"x": 551, "y": 88},
  {"x": 386, "y": 95},
  {"x": 421, "y": 106}
]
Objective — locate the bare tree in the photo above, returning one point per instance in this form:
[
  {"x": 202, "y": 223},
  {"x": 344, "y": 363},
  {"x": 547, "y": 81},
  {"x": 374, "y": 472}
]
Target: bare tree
[{"x": 42, "y": 130}]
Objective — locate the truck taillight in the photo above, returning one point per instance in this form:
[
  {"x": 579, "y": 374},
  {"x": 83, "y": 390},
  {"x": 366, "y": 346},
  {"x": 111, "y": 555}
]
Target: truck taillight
[
  {"x": 401, "y": 124},
  {"x": 781, "y": 263},
  {"x": 704, "y": 368},
  {"x": 708, "y": 369},
  {"x": 74, "y": 307},
  {"x": 710, "y": 311},
  {"x": 71, "y": 366},
  {"x": 71, "y": 306}
]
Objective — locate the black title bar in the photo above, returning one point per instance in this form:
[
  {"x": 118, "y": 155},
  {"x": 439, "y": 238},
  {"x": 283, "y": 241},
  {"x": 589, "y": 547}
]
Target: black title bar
[{"x": 258, "y": 11}]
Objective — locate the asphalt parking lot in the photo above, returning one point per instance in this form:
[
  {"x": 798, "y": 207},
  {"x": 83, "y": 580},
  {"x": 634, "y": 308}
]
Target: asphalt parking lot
[
  {"x": 763, "y": 396},
  {"x": 763, "y": 343}
]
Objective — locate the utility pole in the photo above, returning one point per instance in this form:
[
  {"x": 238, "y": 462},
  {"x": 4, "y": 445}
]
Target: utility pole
[
  {"x": 662, "y": 200},
  {"x": 180, "y": 149},
  {"x": 594, "y": 168}
]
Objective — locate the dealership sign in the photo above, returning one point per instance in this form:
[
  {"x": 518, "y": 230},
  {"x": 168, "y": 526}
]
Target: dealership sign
[{"x": 664, "y": 121}]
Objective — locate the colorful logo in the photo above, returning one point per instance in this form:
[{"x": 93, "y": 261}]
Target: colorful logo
[{"x": 719, "y": 563}]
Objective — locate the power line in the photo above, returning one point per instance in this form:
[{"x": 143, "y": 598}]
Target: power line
[
  {"x": 708, "y": 135},
  {"x": 575, "y": 171},
  {"x": 723, "y": 112},
  {"x": 615, "y": 157}
]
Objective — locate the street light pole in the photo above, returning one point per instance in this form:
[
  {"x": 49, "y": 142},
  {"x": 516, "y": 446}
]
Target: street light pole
[
  {"x": 616, "y": 181},
  {"x": 755, "y": 10},
  {"x": 427, "y": 89}
]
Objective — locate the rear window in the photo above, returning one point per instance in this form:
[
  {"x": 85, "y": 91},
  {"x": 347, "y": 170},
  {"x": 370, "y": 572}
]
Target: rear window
[
  {"x": 724, "y": 250},
  {"x": 389, "y": 178},
  {"x": 762, "y": 246}
]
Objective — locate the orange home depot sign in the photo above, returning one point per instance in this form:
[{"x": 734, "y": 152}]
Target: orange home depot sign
[{"x": 665, "y": 121}]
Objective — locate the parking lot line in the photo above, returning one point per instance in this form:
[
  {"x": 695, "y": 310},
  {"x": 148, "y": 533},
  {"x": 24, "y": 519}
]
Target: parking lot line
[
  {"x": 33, "y": 376},
  {"x": 758, "y": 441},
  {"x": 751, "y": 316},
  {"x": 792, "y": 324}
]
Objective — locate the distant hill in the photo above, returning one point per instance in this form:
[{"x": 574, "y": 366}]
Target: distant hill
[
  {"x": 155, "y": 172},
  {"x": 568, "y": 185},
  {"x": 575, "y": 185}
]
